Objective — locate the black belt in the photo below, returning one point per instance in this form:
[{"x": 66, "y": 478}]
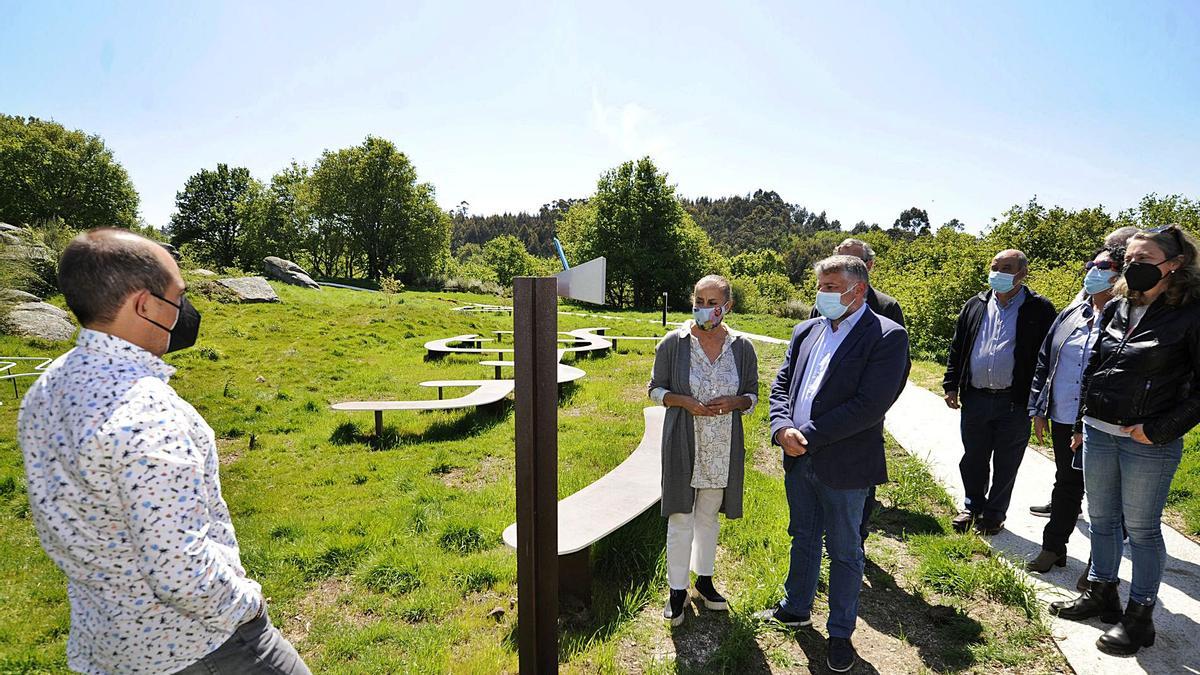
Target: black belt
[{"x": 993, "y": 392}]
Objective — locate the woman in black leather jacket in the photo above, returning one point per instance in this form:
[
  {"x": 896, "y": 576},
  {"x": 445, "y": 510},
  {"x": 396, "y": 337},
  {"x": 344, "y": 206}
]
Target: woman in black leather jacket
[
  {"x": 1054, "y": 399},
  {"x": 1141, "y": 395}
]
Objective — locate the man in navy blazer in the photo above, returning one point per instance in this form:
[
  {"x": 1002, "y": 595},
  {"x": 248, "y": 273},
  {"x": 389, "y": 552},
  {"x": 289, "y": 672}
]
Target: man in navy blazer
[{"x": 840, "y": 375}]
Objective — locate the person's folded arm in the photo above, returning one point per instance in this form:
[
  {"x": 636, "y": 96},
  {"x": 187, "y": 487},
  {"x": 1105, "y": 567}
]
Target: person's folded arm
[
  {"x": 159, "y": 478},
  {"x": 885, "y": 369}
]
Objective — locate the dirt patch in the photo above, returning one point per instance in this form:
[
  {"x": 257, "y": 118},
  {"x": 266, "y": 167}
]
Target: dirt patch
[
  {"x": 766, "y": 458},
  {"x": 900, "y": 630},
  {"x": 229, "y": 450},
  {"x": 489, "y": 470},
  {"x": 329, "y": 598}
]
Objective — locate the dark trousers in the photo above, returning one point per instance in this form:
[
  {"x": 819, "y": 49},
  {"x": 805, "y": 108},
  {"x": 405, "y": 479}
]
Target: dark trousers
[
  {"x": 1066, "y": 500},
  {"x": 255, "y": 647},
  {"x": 995, "y": 433},
  {"x": 869, "y": 507}
]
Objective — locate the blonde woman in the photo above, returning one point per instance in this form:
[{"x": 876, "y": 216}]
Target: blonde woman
[
  {"x": 1141, "y": 394},
  {"x": 708, "y": 379}
]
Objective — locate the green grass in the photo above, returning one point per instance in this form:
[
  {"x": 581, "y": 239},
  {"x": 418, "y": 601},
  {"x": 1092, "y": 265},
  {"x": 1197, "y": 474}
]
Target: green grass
[
  {"x": 386, "y": 556},
  {"x": 1183, "y": 500}
]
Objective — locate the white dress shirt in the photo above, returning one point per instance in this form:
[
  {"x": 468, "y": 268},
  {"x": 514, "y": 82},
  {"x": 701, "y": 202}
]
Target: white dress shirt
[
  {"x": 818, "y": 363},
  {"x": 124, "y": 493}
]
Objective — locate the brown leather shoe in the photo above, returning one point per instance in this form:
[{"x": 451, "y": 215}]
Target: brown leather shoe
[
  {"x": 988, "y": 526},
  {"x": 964, "y": 521}
]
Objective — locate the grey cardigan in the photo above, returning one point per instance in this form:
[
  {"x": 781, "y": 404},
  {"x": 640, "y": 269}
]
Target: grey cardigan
[{"x": 672, "y": 371}]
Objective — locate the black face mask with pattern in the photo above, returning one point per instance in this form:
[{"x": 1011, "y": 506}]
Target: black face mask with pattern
[{"x": 186, "y": 327}]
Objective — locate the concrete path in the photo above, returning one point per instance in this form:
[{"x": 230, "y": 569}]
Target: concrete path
[{"x": 921, "y": 422}]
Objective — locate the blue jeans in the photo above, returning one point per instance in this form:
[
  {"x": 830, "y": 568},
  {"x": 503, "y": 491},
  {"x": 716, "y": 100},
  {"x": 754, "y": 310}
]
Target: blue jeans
[
  {"x": 817, "y": 511},
  {"x": 995, "y": 433},
  {"x": 1128, "y": 479}
]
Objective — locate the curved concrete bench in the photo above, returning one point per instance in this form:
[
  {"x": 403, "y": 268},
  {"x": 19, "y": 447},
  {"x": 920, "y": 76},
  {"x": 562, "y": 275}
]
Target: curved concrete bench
[
  {"x": 613, "y": 339},
  {"x": 599, "y": 509},
  {"x": 7, "y": 363},
  {"x": 491, "y": 391},
  {"x": 436, "y": 349}
]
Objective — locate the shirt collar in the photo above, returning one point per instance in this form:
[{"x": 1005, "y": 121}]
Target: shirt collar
[
  {"x": 118, "y": 348},
  {"x": 1014, "y": 302},
  {"x": 847, "y": 323}
]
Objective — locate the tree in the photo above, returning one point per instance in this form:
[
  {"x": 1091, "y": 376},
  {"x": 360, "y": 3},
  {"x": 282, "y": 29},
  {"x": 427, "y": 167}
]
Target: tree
[
  {"x": 651, "y": 245},
  {"x": 912, "y": 220},
  {"x": 757, "y": 263},
  {"x": 955, "y": 225},
  {"x": 211, "y": 212},
  {"x": 281, "y": 223},
  {"x": 1053, "y": 236},
  {"x": 47, "y": 171},
  {"x": 506, "y": 255},
  {"x": 391, "y": 221},
  {"x": 1154, "y": 211}
]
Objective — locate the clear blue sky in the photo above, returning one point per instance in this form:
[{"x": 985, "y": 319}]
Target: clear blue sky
[{"x": 862, "y": 110}]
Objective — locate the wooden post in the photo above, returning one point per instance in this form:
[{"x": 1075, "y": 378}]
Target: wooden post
[
  {"x": 535, "y": 332},
  {"x": 664, "y": 309},
  {"x": 378, "y": 425}
]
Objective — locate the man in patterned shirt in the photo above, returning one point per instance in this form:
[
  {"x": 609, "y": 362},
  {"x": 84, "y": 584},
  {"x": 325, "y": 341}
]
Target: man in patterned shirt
[{"x": 123, "y": 483}]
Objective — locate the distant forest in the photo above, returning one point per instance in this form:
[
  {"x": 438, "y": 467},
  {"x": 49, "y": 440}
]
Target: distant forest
[{"x": 738, "y": 224}]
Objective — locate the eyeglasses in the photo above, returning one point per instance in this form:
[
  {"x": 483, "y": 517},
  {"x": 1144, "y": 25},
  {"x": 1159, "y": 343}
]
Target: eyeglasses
[{"x": 1102, "y": 265}]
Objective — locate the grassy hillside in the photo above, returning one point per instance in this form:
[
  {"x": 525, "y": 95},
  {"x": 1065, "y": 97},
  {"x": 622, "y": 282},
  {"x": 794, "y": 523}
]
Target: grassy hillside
[{"x": 388, "y": 559}]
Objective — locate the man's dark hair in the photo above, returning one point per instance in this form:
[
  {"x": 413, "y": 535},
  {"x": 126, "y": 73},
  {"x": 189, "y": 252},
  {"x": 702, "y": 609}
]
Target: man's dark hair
[{"x": 100, "y": 268}]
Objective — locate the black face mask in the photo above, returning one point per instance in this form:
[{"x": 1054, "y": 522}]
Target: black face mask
[
  {"x": 187, "y": 324},
  {"x": 1142, "y": 276}
]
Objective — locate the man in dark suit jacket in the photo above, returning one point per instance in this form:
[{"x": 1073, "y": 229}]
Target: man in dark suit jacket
[
  {"x": 840, "y": 375},
  {"x": 884, "y": 305}
]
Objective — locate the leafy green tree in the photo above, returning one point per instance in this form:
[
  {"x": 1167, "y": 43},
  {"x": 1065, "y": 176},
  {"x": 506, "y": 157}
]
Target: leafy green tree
[
  {"x": 913, "y": 221},
  {"x": 507, "y": 256},
  {"x": 636, "y": 222},
  {"x": 48, "y": 171},
  {"x": 755, "y": 263},
  {"x": 211, "y": 213},
  {"x": 281, "y": 223},
  {"x": 1051, "y": 236},
  {"x": 391, "y": 221},
  {"x": 1154, "y": 211}
]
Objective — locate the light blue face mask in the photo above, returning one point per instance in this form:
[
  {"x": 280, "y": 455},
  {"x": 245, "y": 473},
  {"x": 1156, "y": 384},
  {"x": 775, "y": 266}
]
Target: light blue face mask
[
  {"x": 708, "y": 318},
  {"x": 1001, "y": 282},
  {"x": 829, "y": 304},
  {"x": 1098, "y": 280}
]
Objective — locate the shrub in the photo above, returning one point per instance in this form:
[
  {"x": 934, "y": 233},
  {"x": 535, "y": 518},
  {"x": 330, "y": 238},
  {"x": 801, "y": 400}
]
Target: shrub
[{"x": 391, "y": 286}]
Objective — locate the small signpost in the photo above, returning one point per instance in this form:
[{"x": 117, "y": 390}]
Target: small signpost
[{"x": 535, "y": 351}]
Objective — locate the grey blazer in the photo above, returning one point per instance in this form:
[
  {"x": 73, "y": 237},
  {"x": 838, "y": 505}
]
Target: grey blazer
[{"x": 672, "y": 371}]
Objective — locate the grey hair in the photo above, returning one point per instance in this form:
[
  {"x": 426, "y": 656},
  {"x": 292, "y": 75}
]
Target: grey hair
[
  {"x": 867, "y": 250},
  {"x": 1120, "y": 236},
  {"x": 1022, "y": 259},
  {"x": 852, "y": 266},
  {"x": 721, "y": 283},
  {"x": 99, "y": 269}
]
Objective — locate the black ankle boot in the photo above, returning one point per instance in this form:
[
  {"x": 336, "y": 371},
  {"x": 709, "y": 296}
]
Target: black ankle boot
[
  {"x": 1100, "y": 599},
  {"x": 1136, "y": 630},
  {"x": 712, "y": 599},
  {"x": 673, "y": 611}
]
